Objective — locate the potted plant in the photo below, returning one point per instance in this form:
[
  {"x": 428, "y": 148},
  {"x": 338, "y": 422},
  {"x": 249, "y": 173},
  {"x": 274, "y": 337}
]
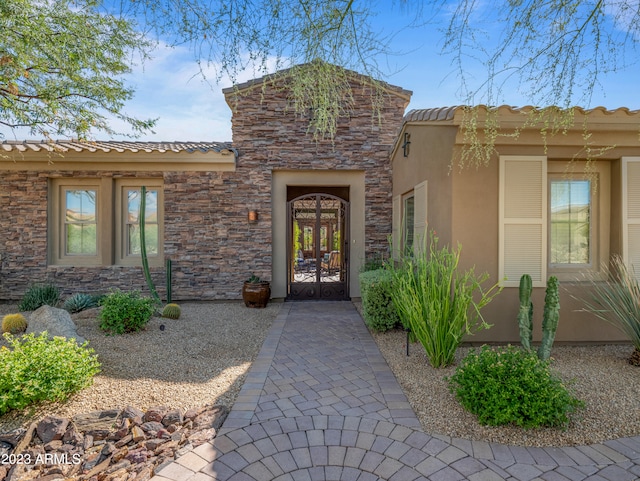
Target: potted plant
[{"x": 256, "y": 292}]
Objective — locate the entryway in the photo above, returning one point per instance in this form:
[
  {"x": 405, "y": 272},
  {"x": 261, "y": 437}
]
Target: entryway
[{"x": 317, "y": 243}]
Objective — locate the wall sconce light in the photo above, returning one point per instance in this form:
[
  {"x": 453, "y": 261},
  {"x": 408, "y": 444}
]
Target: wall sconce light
[
  {"x": 405, "y": 144},
  {"x": 253, "y": 216}
]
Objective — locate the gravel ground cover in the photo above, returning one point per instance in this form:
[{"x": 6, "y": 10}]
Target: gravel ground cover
[
  {"x": 202, "y": 358},
  {"x": 599, "y": 375}
]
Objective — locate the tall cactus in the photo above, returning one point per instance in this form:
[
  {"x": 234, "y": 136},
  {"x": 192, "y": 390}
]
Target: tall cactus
[
  {"x": 550, "y": 319},
  {"x": 143, "y": 245},
  {"x": 525, "y": 314}
]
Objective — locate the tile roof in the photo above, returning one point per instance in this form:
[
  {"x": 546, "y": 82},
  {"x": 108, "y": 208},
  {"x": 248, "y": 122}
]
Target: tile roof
[
  {"x": 448, "y": 113},
  {"x": 113, "y": 146}
]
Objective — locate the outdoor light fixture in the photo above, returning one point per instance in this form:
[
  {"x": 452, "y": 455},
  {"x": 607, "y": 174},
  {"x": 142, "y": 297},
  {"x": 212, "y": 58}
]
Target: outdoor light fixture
[
  {"x": 253, "y": 216},
  {"x": 405, "y": 144}
]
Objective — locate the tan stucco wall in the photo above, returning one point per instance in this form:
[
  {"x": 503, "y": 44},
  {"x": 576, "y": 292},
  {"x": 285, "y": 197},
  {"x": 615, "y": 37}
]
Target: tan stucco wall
[
  {"x": 281, "y": 179},
  {"x": 463, "y": 207}
]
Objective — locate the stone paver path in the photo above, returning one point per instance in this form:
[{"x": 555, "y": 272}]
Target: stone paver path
[{"x": 320, "y": 403}]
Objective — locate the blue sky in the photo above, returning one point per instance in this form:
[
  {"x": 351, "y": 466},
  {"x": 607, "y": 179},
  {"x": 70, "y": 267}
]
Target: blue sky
[{"x": 169, "y": 87}]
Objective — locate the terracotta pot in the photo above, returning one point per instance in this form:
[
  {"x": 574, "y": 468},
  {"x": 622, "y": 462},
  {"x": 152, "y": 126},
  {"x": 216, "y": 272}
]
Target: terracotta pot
[{"x": 256, "y": 294}]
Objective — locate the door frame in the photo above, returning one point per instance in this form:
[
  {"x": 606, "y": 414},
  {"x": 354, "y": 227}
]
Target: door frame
[{"x": 280, "y": 180}]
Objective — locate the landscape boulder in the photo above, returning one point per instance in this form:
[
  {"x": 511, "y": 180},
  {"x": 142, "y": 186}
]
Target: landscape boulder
[{"x": 57, "y": 322}]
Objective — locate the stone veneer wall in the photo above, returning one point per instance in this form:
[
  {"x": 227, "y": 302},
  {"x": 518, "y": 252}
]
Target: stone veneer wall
[{"x": 207, "y": 236}]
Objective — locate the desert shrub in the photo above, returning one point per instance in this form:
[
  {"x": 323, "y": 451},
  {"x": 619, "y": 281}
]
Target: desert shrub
[
  {"x": 39, "y": 295},
  {"x": 14, "y": 323},
  {"x": 79, "y": 302},
  {"x": 512, "y": 386},
  {"x": 377, "y": 307},
  {"x": 125, "y": 311},
  {"x": 439, "y": 303},
  {"x": 36, "y": 368}
]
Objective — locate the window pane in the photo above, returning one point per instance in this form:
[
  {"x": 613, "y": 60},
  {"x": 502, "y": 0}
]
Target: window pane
[
  {"x": 570, "y": 221},
  {"x": 409, "y": 219},
  {"x": 80, "y": 222},
  {"x": 151, "y": 222}
]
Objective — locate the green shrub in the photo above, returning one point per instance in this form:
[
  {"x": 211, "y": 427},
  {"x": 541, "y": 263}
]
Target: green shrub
[
  {"x": 79, "y": 302},
  {"x": 125, "y": 311},
  {"x": 512, "y": 386},
  {"x": 38, "y": 369},
  {"x": 437, "y": 302},
  {"x": 14, "y": 323},
  {"x": 39, "y": 295},
  {"x": 377, "y": 307}
]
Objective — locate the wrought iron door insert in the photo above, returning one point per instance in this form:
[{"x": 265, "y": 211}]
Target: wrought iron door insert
[{"x": 318, "y": 247}]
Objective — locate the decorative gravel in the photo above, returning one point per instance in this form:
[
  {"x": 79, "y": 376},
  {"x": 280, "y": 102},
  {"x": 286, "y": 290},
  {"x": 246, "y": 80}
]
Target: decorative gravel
[
  {"x": 599, "y": 375},
  {"x": 201, "y": 358}
]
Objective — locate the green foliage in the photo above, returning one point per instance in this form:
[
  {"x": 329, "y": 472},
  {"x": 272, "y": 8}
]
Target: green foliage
[
  {"x": 373, "y": 264},
  {"x": 525, "y": 314},
  {"x": 37, "y": 369},
  {"x": 254, "y": 279},
  {"x": 125, "y": 311},
  {"x": 171, "y": 311},
  {"x": 512, "y": 386},
  {"x": 550, "y": 319},
  {"x": 62, "y": 64},
  {"x": 79, "y": 302},
  {"x": 377, "y": 307},
  {"x": 14, "y": 323},
  {"x": 437, "y": 302},
  {"x": 39, "y": 295},
  {"x": 617, "y": 300}
]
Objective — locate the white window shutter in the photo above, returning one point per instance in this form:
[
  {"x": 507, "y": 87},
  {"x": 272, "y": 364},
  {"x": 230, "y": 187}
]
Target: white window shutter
[
  {"x": 523, "y": 219},
  {"x": 396, "y": 227},
  {"x": 420, "y": 224},
  {"x": 631, "y": 213}
]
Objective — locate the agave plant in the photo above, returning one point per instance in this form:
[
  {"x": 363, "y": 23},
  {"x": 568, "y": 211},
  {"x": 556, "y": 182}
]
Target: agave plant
[
  {"x": 79, "y": 302},
  {"x": 617, "y": 301}
]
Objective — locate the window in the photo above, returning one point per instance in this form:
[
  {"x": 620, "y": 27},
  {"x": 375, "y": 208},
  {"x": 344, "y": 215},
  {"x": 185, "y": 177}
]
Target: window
[
  {"x": 570, "y": 222},
  {"x": 554, "y": 219},
  {"x": 85, "y": 230},
  {"x": 408, "y": 223}
]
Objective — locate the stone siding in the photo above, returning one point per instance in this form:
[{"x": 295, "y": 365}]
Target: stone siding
[{"x": 207, "y": 236}]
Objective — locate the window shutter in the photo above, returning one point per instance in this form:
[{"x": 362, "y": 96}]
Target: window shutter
[
  {"x": 396, "y": 227},
  {"x": 523, "y": 213},
  {"x": 420, "y": 236},
  {"x": 631, "y": 213}
]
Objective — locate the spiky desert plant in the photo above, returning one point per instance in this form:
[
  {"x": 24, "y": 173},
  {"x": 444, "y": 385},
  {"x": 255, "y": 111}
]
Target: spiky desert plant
[
  {"x": 550, "y": 318},
  {"x": 79, "y": 302},
  {"x": 617, "y": 300},
  {"x": 39, "y": 295},
  {"x": 171, "y": 311},
  {"x": 525, "y": 314},
  {"x": 14, "y": 323}
]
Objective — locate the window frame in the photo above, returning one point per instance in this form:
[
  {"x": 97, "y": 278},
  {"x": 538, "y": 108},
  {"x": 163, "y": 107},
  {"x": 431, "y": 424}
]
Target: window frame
[
  {"x": 599, "y": 175},
  {"x": 110, "y": 223},
  {"x": 408, "y": 231},
  {"x": 122, "y": 186}
]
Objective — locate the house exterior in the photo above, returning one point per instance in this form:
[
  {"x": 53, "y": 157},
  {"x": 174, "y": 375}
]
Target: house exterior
[
  {"x": 544, "y": 205},
  {"x": 274, "y": 203}
]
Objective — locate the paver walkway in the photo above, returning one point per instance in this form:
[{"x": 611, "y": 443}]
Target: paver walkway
[{"x": 320, "y": 403}]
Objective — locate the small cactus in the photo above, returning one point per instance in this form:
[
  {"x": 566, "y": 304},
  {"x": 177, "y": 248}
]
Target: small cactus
[
  {"x": 79, "y": 302},
  {"x": 14, "y": 323},
  {"x": 550, "y": 319},
  {"x": 525, "y": 314},
  {"x": 171, "y": 311}
]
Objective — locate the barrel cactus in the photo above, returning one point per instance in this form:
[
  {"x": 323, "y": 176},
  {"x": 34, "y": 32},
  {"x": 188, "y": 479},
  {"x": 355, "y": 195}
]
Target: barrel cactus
[
  {"x": 550, "y": 319},
  {"x": 171, "y": 311},
  {"x": 525, "y": 314},
  {"x": 14, "y": 323}
]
